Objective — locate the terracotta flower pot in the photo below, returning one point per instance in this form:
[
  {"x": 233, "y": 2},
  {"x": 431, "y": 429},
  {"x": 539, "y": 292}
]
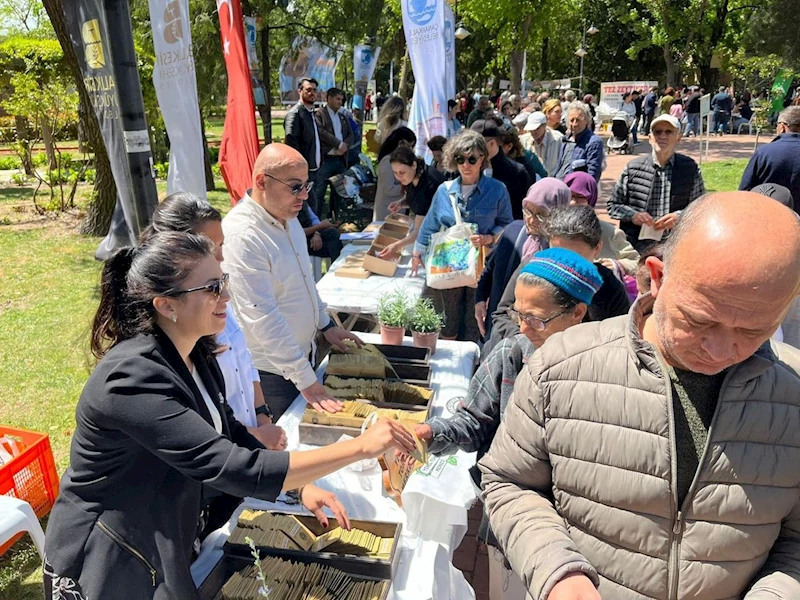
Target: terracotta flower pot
[
  {"x": 392, "y": 336},
  {"x": 425, "y": 340}
]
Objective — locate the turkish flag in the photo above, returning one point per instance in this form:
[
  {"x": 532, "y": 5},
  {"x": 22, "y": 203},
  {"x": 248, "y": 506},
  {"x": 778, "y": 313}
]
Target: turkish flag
[{"x": 239, "y": 148}]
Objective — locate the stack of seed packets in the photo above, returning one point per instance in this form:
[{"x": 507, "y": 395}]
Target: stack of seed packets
[{"x": 288, "y": 580}]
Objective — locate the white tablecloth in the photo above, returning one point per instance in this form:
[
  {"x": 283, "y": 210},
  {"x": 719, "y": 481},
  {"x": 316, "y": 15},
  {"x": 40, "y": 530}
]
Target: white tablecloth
[
  {"x": 435, "y": 500},
  {"x": 344, "y": 294}
]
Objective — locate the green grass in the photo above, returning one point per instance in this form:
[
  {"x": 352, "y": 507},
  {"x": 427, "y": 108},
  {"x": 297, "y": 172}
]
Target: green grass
[
  {"x": 723, "y": 175},
  {"x": 49, "y": 279}
]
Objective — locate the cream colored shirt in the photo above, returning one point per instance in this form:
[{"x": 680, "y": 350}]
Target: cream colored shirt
[{"x": 273, "y": 291}]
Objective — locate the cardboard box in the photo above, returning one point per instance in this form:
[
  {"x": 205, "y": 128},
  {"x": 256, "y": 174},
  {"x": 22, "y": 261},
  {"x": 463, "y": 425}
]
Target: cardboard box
[
  {"x": 398, "y": 219},
  {"x": 395, "y": 230},
  {"x": 374, "y": 264}
]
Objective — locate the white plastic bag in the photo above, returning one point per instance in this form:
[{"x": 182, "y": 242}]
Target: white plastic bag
[{"x": 452, "y": 260}]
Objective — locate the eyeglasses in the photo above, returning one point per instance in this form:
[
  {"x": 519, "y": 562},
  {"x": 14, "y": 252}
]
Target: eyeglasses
[
  {"x": 471, "y": 159},
  {"x": 658, "y": 132},
  {"x": 534, "y": 323},
  {"x": 531, "y": 215},
  {"x": 216, "y": 287},
  {"x": 296, "y": 188}
]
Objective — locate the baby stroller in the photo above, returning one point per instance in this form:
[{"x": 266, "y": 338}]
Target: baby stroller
[
  {"x": 620, "y": 140},
  {"x": 356, "y": 187}
]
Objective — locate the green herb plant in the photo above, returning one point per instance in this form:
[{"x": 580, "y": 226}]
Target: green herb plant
[
  {"x": 263, "y": 590},
  {"x": 424, "y": 318},
  {"x": 393, "y": 309}
]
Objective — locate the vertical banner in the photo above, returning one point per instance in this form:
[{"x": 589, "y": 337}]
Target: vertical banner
[
  {"x": 239, "y": 147},
  {"x": 365, "y": 59},
  {"x": 176, "y": 89},
  {"x": 780, "y": 88},
  {"x": 450, "y": 52},
  {"x": 308, "y": 58},
  {"x": 251, "y": 35},
  {"x": 112, "y": 80},
  {"x": 423, "y": 23}
]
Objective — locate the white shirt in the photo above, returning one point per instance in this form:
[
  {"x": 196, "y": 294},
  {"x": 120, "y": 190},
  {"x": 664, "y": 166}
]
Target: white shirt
[
  {"x": 212, "y": 408},
  {"x": 273, "y": 291},
  {"x": 238, "y": 369}
]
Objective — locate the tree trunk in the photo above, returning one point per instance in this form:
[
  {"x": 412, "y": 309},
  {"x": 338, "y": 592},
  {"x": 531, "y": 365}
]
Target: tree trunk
[
  {"x": 545, "y": 57},
  {"x": 49, "y": 144},
  {"x": 210, "y": 186},
  {"x": 104, "y": 195},
  {"x": 24, "y": 138},
  {"x": 403, "y": 87},
  {"x": 517, "y": 57},
  {"x": 669, "y": 61}
]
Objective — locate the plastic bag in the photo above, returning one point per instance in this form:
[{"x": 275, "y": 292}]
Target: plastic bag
[
  {"x": 9, "y": 449},
  {"x": 453, "y": 260}
]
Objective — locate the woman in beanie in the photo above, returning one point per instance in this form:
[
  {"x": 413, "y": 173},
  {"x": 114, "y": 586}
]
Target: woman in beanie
[
  {"x": 521, "y": 239},
  {"x": 617, "y": 253},
  {"x": 553, "y": 293}
]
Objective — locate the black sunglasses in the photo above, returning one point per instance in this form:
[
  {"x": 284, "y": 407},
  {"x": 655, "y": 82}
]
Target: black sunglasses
[
  {"x": 471, "y": 159},
  {"x": 215, "y": 287},
  {"x": 296, "y": 188}
]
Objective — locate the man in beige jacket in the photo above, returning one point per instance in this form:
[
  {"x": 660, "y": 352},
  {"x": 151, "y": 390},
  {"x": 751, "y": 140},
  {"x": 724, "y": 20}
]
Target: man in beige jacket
[{"x": 656, "y": 456}]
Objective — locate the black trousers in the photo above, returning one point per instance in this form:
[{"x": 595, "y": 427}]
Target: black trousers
[
  {"x": 331, "y": 245},
  {"x": 279, "y": 393}
]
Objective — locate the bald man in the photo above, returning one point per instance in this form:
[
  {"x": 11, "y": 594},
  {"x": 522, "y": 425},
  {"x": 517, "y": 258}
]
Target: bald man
[
  {"x": 272, "y": 287},
  {"x": 656, "y": 455}
]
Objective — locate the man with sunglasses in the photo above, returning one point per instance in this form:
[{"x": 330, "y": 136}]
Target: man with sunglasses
[
  {"x": 302, "y": 131},
  {"x": 272, "y": 287},
  {"x": 654, "y": 189}
]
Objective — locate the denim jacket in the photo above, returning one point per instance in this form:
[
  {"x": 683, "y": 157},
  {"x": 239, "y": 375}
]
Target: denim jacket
[
  {"x": 489, "y": 207},
  {"x": 587, "y": 147}
]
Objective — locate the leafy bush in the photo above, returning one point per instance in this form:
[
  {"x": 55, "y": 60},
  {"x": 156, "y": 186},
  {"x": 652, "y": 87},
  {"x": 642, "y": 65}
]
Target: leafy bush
[
  {"x": 39, "y": 160},
  {"x": 65, "y": 160},
  {"x": 162, "y": 170},
  {"x": 89, "y": 176},
  {"x": 9, "y": 163},
  {"x": 216, "y": 171},
  {"x": 8, "y": 129},
  {"x": 423, "y": 317},
  {"x": 213, "y": 154},
  {"x": 393, "y": 309},
  {"x": 19, "y": 179}
]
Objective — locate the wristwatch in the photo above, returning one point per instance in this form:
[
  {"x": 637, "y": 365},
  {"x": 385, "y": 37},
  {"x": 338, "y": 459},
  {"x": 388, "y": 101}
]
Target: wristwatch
[
  {"x": 264, "y": 410},
  {"x": 330, "y": 325}
]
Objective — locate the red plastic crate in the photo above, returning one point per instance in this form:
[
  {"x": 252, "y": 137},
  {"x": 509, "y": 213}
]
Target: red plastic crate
[{"x": 32, "y": 475}]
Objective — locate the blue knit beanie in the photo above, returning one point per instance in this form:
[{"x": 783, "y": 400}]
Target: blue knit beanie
[{"x": 567, "y": 271}]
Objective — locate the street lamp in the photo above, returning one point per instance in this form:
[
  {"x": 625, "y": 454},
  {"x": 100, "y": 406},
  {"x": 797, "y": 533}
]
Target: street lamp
[
  {"x": 461, "y": 32},
  {"x": 581, "y": 52}
]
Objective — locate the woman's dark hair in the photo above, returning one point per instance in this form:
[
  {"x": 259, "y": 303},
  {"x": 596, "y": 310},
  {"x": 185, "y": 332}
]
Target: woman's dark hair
[
  {"x": 437, "y": 143},
  {"x": 451, "y": 104},
  {"x": 510, "y": 136},
  {"x": 133, "y": 277},
  {"x": 182, "y": 212},
  {"x": 401, "y": 134},
  {"x": 405, "y": 156}
]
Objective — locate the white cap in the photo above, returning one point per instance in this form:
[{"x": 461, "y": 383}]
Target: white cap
[
  {"x": 520, "y": 119},
  {"x": 667, "y": 119},
  {"x": 535, "y": 120}
]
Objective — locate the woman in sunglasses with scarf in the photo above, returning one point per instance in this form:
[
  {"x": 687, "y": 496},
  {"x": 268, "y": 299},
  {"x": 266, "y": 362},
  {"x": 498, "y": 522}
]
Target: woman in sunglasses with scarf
[
  {"x": 483, "y": 201},
  {"x": 153, "y": 429}
]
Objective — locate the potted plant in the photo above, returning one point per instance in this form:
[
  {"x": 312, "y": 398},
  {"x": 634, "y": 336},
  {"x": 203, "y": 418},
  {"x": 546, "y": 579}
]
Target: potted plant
[
  {"x": 393, "y": 315},
  {"x": 425, "y": 324}
]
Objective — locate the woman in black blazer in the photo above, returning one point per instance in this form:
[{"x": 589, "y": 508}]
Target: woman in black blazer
[{"x": 153, "y": 429}]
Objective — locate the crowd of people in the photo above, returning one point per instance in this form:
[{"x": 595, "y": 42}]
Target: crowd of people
[{"x": 635, "y": 414}]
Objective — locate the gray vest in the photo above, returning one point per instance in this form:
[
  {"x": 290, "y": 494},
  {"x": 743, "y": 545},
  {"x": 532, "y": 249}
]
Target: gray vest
[{"x": 641, "y": 173}]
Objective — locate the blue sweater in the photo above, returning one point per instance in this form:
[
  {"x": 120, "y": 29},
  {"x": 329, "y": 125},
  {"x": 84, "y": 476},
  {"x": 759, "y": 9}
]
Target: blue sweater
[
  {"x": 778, "y": 163},
  {"x": 587, "y": 146}
]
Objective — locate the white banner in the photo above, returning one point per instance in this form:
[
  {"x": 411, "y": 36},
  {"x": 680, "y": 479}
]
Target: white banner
[
  {"x": 176, "y": 90},
  {"x": 450, "y": 52},
  {"x": 365, "y": 59},
  {"x": 423, "y": 24},
  {"x": 611, "y": 94}
]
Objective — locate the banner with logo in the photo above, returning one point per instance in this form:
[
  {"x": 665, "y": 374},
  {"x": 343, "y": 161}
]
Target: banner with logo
[
  {"x": 365, "y": 60},
  {"x": 308, "y": 58},
  {"x": 423, "y": 24},
  {"x": 779, "y": 89},
  {"x": 450, "y": 52},
  {"x": 239, "y": 147},
  {"x": 611, "y": 94},
  {"x": 176, "y": 90},
  {"x": 250, "y": 36},
  {"x": 112, "y": 80}
]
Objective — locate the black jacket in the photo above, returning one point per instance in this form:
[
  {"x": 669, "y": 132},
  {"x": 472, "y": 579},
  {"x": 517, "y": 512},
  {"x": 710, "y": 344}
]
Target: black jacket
[
  {"x": 144, "y": 447},
  {"x": 515, "y": 178},
  {"x": 611, "y": 300},
  {"x": 301, "y": 135},
  {"x": 327, "y": 138}
]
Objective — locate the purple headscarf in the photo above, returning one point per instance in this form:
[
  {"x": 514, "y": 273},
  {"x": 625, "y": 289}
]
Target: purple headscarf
[
  {"x": 584, "y": 185},
  {"x": 548, "y": 193}
]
